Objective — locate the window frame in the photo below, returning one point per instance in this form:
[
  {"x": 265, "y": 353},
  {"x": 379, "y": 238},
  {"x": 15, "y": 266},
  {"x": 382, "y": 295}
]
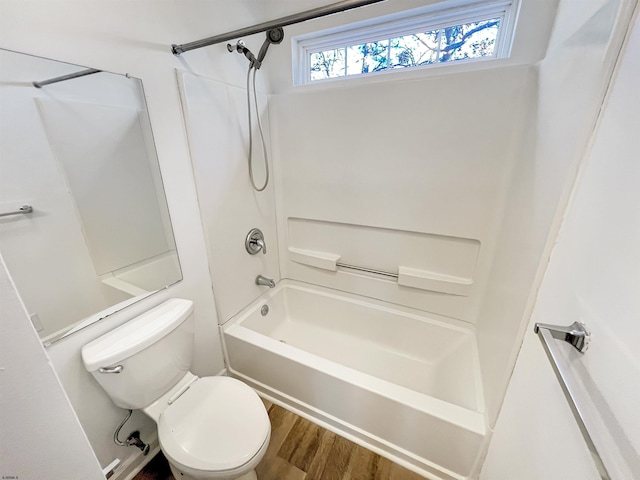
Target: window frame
[{"x": 432, "y": 17}]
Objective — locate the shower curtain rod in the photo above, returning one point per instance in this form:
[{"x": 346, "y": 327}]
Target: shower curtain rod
[
  {"x": 62, "y": 78},
  {"x": 280, "y": 22}
]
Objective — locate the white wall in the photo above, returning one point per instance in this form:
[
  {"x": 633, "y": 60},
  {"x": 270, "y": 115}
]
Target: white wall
[
  {"x": 407, "y": 169},
  {"x": 572, "y": 80},
  {"x": 135, "y": 38},
  {"x": 41, "y": 436},
  {"x": 593, "y": 276},
  {"x": 377, "y": 163},
  {"x": 216, "y": 117}
]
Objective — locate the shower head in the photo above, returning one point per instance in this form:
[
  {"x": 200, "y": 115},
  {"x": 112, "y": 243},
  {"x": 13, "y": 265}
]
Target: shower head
[{"x": 275, "y": 35}]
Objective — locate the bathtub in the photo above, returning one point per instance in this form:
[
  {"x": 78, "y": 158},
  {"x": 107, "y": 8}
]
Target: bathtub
[{"x": 398, "y": 381}]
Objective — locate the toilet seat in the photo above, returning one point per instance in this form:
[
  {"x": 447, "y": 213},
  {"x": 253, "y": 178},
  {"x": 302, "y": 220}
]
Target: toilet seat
[{"x": 218, "y": 425}]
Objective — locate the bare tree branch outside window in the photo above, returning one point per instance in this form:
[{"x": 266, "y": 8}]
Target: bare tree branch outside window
[{"x": 457, "y": 42}]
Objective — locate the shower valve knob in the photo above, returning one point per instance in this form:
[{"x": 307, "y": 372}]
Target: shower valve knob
[{"x": 254, "y": 243}]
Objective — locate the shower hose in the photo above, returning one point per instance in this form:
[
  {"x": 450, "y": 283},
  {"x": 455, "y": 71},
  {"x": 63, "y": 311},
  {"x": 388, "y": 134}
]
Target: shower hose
[{"x": 264, "y": 146}]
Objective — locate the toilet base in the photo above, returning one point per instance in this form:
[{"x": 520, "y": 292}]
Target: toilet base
[
  {"x": 183, "y": 476},
  {"x": 252, "y": 475}
]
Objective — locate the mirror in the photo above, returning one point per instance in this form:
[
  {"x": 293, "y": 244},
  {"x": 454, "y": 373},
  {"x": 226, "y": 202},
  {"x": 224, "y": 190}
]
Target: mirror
[{"x": 79, "y": 151}]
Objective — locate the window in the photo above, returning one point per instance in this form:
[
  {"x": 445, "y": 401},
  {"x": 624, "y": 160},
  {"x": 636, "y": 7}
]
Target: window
[{"x": 426, "y": 37}]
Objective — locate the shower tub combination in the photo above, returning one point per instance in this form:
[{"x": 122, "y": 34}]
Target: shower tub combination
[{"x": 401, "y": 382}]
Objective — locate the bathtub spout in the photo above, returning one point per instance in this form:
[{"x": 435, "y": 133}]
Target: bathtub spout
[{"x": 267, "y": 282}]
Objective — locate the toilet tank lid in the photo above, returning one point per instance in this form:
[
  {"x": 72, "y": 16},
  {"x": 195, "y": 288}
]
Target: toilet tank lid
[{"x": 136, "y": 334}]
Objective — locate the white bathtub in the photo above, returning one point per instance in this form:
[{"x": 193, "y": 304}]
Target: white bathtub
[{"x": 401, "y": 382}]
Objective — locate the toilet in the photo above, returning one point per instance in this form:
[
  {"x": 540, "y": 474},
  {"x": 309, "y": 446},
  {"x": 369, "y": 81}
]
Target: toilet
[{"x": 209, "y": 427}]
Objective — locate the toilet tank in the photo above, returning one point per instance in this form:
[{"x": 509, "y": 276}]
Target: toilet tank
[{"x": 152, "y": 352}]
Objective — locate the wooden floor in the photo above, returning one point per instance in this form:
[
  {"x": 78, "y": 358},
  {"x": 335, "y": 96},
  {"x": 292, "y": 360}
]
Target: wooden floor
[{"x": 301, "y": 450}]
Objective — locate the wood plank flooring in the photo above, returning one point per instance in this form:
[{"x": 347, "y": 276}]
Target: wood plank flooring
[{"x": 301, "y": 450}]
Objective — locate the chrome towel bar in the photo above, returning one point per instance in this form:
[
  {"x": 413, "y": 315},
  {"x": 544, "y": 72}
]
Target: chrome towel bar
[
  {"x": 577, "y": 335},
  {"x": 365, "y": 269},
  {"x": 24, "y": 209}
]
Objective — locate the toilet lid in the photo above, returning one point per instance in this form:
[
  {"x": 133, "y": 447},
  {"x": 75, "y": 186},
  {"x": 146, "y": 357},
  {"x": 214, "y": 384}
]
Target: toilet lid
[{"x": 218, "y": 424}]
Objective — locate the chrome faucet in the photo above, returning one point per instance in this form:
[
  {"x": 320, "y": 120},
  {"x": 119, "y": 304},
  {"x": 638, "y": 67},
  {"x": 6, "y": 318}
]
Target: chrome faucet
[{"x": 267, "y": 282}]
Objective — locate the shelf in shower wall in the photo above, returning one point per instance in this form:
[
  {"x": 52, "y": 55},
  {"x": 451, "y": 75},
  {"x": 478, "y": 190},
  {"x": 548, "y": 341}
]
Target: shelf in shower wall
[
  {"x": 406, "y": 276},
  {"x": 435, "y": 282},
  {"x": 326, "y": 261}
]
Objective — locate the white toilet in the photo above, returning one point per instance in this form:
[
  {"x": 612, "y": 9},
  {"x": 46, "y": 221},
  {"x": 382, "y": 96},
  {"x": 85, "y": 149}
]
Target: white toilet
[{"x": 210, "y": 427}]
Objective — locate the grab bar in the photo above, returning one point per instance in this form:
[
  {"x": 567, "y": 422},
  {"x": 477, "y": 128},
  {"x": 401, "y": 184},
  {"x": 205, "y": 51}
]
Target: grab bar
[
  {"x": 24, "y": 209},
  {"x": 365, "y": 269},
  {"x": 577, "y": 335}
]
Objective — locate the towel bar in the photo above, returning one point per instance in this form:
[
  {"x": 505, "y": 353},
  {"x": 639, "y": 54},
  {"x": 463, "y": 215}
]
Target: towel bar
[
  {"x": 24, "y": 209},
  {"x": 578, "y": 336}
]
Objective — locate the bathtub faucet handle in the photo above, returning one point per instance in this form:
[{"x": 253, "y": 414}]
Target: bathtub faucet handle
[
  {"x": 260, "y": 243},
  {"x": 267, "y": 282},
  {"x": 254, "y": 242}
]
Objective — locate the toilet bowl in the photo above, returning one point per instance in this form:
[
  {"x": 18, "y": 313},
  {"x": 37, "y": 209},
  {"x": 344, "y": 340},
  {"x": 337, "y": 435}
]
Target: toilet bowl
[
  {"x": 208, "y": 427},
  {"x": 216, "y": 429}
]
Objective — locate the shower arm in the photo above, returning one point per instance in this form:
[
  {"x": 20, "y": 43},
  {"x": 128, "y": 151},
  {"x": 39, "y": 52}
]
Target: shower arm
[{"x": 330, "y": 9}]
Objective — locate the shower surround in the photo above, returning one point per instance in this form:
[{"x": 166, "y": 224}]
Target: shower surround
[{"x": 409, "y": 222}]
